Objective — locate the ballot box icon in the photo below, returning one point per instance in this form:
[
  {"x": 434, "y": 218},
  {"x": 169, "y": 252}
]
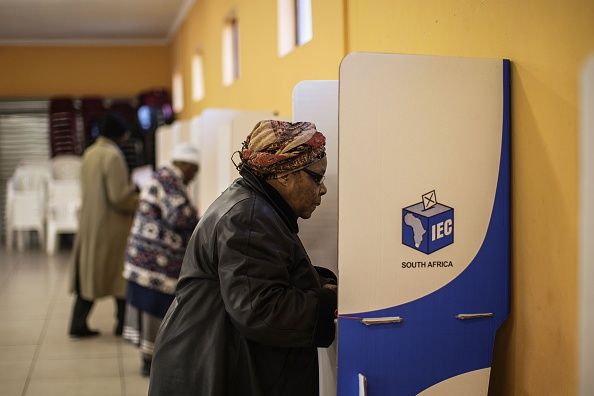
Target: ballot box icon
[{"x": 428, "y": 226}]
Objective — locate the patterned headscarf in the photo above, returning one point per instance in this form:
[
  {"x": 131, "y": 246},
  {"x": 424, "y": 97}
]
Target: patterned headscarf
[{"x": 276, "y": 148}]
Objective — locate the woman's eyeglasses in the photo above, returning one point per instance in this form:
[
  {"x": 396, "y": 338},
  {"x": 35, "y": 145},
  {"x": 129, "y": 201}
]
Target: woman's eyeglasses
[{"x": 316, "y": 177}]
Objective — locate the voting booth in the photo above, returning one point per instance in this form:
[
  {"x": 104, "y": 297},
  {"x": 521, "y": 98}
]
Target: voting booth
[
  {"x": 166, "y": 137},
  {"x": 424, "y": 206},
  {"x": 586, "y": 267},
  {"x": 205, "y": 136},
  {"x": 317, "y": 102}
]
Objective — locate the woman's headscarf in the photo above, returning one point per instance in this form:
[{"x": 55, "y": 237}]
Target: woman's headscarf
[{"x": 276, "y": 148}]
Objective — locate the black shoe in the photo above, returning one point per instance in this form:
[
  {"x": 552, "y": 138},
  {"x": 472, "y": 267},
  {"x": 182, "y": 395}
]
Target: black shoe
[
  {"x": 84, "y": 333},
  {"x": 146, "y": 368},
  {"x": 119, "y": 329}
]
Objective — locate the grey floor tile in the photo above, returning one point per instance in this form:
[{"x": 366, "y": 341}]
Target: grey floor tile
[
  {"x": 16, "y": 312},
  {"x": 76, "y": 368},
  {"x": 107, "y": 386},
  {"x": 35, "y": 309},
  {"x": 12, "y": 387},
  {"x": 17, "y": 353},
  {"x": 66, "y": 348},
  {"x": 20, "y": 331},
  {"x": 131, "y": 366},
  {"x": 136, "y": 386},
  {"x": 14, "y": 370},
  {"x": 127, "y": 349}
]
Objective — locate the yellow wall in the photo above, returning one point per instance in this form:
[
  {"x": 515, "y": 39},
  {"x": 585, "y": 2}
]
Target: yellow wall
[
  {"x": 27, "y": 71},
  {"x": 547, "y": 41},
  {"x": 266, "y": 81}
]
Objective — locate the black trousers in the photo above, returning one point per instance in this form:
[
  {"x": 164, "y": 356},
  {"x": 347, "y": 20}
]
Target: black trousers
[{"x": 82, "y": 308}]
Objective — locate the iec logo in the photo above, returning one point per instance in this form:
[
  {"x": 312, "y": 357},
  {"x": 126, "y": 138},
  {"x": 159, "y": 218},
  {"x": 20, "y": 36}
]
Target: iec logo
[{"x": 428, "y": 226}]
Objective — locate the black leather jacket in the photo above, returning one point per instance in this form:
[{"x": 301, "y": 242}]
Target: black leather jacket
[{"x": 250, "y": 309}]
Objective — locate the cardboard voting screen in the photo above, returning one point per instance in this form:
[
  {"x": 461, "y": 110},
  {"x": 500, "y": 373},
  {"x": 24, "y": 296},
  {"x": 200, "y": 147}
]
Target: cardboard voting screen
[
  {"x": 217, "y": 133},
  {"x": 317, "y": 102},
  {"x": 206, "y": 137},
  {"x": 423, "y": 245}
]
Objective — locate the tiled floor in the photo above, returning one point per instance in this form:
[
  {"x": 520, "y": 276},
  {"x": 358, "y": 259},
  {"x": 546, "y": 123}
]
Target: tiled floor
[{"x": 36, "y": 355}]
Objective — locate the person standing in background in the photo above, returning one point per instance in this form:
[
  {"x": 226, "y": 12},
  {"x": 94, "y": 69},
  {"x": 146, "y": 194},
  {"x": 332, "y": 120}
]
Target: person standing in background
[
  {"x": 109, "y": 200},
  {"x": 162, "y": 226}
]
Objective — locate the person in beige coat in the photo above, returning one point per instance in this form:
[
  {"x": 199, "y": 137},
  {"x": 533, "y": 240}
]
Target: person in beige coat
[{"x": 109, "y": 201}]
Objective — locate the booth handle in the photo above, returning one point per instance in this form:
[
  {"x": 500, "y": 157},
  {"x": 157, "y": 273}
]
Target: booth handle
[
  {"x": 475, "y": 316},
  {"x": 384, "y": 320},
  {"x": 362, "y": 385}
]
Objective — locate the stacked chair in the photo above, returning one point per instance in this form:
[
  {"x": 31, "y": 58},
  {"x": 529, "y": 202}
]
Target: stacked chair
[
  {"x": 43, "y": 197},
  {"x": 64, "y": 199},
  {"x": 64, "y": 138},
  {"x": 92, "y": 110},
  {"x": 26, "y": 196}
]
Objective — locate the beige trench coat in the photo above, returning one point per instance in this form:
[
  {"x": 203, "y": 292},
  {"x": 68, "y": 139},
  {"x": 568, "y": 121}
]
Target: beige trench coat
[{"x": 109, "y": 201}]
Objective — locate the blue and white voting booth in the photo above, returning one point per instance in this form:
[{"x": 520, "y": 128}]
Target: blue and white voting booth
[
  {"x": 317, "y": 102},
  {"x": 424, "y": 206}
]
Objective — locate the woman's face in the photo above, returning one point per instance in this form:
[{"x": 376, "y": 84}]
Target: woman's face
[{"x": 303, "y": 193}]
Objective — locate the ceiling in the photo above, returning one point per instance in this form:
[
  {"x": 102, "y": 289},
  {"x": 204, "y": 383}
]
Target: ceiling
[{"x": 90, "y": 21}]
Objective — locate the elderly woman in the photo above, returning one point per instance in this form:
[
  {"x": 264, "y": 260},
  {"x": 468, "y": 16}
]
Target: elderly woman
[
  {"x": 162, "y": 227},
  {"x": 250, "y": 309}
]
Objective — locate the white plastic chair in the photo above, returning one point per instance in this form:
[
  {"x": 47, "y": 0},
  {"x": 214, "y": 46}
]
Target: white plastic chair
[
  {"x": 25, "y": 203},
  {"x": 66, "y": 167},
  {"x": 62, "y": 210}
]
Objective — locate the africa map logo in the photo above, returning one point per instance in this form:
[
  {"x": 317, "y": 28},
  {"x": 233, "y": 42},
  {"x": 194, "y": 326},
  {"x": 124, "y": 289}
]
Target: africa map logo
[{"x": 428, "y": 226}]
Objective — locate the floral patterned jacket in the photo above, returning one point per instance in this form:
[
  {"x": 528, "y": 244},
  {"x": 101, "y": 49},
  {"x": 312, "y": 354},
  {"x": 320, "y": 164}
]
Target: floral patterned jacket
[{"x": 163, "y": 224}]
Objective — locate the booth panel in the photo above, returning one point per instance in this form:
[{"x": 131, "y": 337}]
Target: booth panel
[
  {"x": 205, "y": 135},
  {"x": 423, "y": 221},
  {"x": 241, "y": 126},
  {"x": 165, "y": 141},
  {"x": 317, "y": 102}
]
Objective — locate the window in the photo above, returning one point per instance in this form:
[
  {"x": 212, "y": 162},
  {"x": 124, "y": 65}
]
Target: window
[
  {"x": 178, "y": 92},
  {"x": 295, "y": 26},
  {"x": 304, "y": 29},
  {"x": 197, "y": 78},
  {"x": 230, "y": 51}
]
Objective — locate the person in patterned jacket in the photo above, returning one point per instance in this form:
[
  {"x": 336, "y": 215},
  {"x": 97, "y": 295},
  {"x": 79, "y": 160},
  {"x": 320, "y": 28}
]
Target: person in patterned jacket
[{"x": 163, "y": 224}]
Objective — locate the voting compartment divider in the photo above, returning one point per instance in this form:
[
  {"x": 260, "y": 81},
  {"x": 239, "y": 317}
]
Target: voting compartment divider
[
  {"x": 167, "y": 137},
  {"x": 424, "y": 222},
  {"x": 317, "y": 102},
  {"x": 586, "y": 266}
]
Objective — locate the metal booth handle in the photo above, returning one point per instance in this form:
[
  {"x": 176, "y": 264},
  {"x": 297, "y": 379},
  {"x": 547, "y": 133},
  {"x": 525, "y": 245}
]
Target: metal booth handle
[
  {"x": 464, "y": 316},
  {"x": 384, "y": 320}
]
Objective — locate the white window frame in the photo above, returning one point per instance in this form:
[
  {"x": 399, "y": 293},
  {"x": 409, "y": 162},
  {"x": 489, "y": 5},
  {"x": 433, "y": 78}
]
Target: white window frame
[
  {"x": 197, "y": 77},
  {"x": 230, "y": 51},
  {"x": 295, "y": 24},
  {"x": 177, "y": 88}
]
